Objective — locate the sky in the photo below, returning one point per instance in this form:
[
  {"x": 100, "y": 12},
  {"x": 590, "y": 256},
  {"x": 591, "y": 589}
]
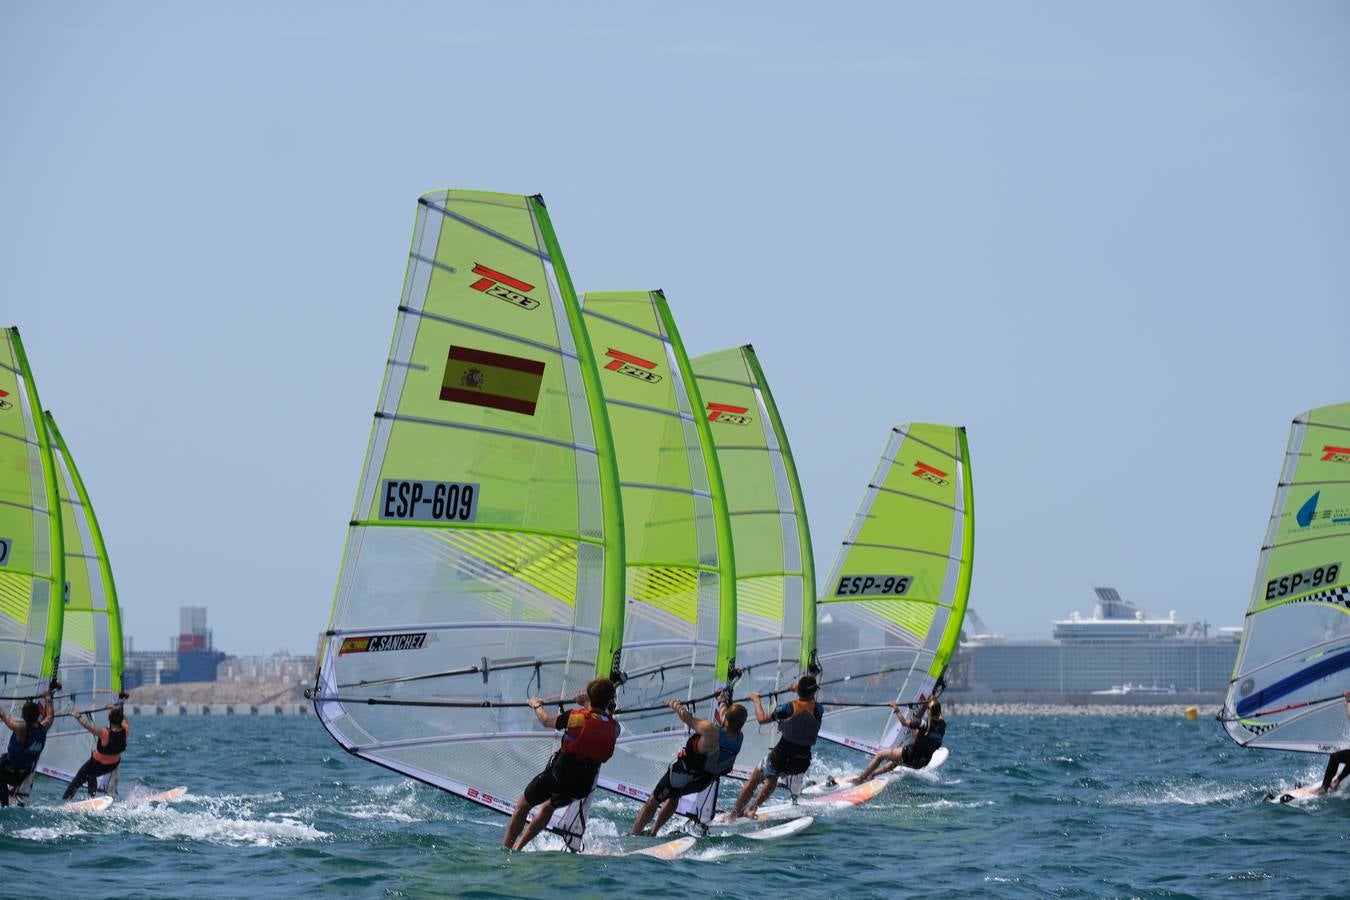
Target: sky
[{"x": 1109, "y": 239}]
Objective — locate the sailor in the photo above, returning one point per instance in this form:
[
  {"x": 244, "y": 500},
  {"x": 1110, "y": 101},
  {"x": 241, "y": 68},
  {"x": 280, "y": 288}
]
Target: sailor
[
  {"x": 798, "y": 725},
  {"x": 709, "y": 754},
  {"x": 929, "y": 730},
  {"x": 107, "y": 755},
  {"x": 28, "y": 735},
  {"x": 1338, "y": 760},
  {"x": 589, "y": 736}
]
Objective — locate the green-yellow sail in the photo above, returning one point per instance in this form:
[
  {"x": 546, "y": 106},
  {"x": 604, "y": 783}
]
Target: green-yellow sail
[
  {"x": 889, "y": 616},
  {"x": 484, "y": 559},
  {"x": 775, "y": 572},
  {"x": 91, "y": 646},
  {"x": 680, "y": 625},
  {"x": 1293, "y": 665},
  {"x": 32, "y": 557}
]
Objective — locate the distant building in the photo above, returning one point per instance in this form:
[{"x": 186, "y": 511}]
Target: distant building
[
  {"x": 1119, "y": 650},
  {"x": 152, "y": 667},
  {"x": 280, "y": 666},
  {"x": 197, "y": 655}
]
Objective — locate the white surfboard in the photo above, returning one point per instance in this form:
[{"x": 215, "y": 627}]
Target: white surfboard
[
  {"x": 168, "y": 796},
  {"x": 91, "y": 805},
  {"x": 850, "y": 795},
  {"x": 668, "y": 850},
  {"x": 774, "y": 832},
  {"x": 1294, "y": 795},
  {"x": 833, "y": 784}
]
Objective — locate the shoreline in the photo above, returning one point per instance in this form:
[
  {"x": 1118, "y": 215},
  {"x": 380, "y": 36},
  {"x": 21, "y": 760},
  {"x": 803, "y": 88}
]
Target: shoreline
[{"x": 955, "y": 708}]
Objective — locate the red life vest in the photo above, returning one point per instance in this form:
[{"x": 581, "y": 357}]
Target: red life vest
[{"x": 590, "y": 735}]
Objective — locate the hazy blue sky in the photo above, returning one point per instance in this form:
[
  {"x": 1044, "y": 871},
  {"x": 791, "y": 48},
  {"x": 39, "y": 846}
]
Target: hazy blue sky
[{"x": 1112, "y": 242}]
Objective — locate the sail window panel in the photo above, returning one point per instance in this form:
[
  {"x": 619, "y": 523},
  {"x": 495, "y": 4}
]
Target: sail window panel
[
  {"x": 791, "y": 541},
  {"x": 415, "y": 575}
]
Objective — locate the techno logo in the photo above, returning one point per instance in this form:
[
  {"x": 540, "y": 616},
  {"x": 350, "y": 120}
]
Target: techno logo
[
  {"x": 930, "y": 473},
  {"x": 1335, "y": 454},
  {"x": 5, "y": 404},
  {"x": 730, "y": 415},
  {"x": 503, "y": 287},
  {"x": 633, "y": 366}
]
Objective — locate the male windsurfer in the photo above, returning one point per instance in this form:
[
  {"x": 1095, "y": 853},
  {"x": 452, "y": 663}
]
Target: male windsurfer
[
  {"x": 28, "y": 735},
  {"x": 929, "y": 731},
  {"x": 709, "y": 754},
  {"x": 589, "y": 734},
  {"x": 798, "y": 726},
  {"x": 1338, "y": 760}
]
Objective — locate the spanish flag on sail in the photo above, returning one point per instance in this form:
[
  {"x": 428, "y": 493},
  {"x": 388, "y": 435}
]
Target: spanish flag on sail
[{"x": 490, "y": 379}]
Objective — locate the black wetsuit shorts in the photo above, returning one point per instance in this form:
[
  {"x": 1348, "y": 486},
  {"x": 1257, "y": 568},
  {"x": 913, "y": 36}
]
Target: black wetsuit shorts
[
  {"x": 679, "y": 783},
  {"x": 917, "y": 755},
  {"x": 566, "y": 778}
]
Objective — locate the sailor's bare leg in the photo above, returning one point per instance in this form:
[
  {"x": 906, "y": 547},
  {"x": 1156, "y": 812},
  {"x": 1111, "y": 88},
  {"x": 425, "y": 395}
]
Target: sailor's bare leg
[
  {"x": 537, "y": 824},
  {"x": 747, "y": 792},
  {"x": 645, "y": 814},
  {"x": 770, "y": 784},
  {"x": 517, "y": 822},
  {"x": 666, "y": 812}
]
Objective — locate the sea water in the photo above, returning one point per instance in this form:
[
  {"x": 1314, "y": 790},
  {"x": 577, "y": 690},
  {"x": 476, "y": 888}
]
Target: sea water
[{"x": 1025, "y": 806}]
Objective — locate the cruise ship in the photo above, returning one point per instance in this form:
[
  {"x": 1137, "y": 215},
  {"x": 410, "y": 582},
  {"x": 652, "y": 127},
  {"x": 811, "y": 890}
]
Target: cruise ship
[{"x": 1120, "y": 650}]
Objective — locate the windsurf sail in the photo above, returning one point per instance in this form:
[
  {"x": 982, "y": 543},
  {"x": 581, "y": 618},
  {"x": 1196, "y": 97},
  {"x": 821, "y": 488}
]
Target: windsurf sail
[
  {"x": 775, "y": 570},
  {"x": 484, "y": 559},
  {"x": 91, "y": 642},
  {"x": 32, "y": 557},
  {"x": 680, "y": 625},
  {"x": 1293, "y": 666},
  {"x": 889, "y": 616}
]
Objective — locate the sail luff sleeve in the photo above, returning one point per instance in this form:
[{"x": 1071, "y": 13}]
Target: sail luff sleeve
[
  {"x": 952, "y": 635},
  {"x": 608, "y": 656},
  {"x": 808, "y": 561},
  {"x": 52, "y": 648},
  {"x": 726, "y": 554}
]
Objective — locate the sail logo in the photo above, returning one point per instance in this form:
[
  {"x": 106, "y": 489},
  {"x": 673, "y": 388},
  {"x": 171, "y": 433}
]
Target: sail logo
[
  {"x": 1335, "y": 454},
  {"x": 1309, "y": 516},
  {"x": 930, "y": 474},
  {"x": 381, "y": 643},
  {"x": 503, "y": 287},
  {"x": 5, "y": 404},
  {"x": 633, "y": 366},
  {"x": 5, "y": 544},
  {"x": 731, "y": 415}
]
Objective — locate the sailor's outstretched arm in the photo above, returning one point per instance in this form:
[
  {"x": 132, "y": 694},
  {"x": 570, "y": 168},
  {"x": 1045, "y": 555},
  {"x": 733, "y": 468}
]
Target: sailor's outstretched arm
[{"x": 545, "y": 718}]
